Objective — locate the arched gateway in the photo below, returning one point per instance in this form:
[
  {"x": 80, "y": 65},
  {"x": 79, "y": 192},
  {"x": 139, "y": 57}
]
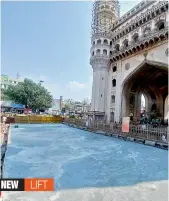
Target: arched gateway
[
  {"x": 150, "y": 78},
  {"x": 133, "y": 45}
]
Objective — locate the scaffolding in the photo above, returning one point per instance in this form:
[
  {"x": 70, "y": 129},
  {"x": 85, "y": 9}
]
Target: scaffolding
[{"x": 101, "y": 19}]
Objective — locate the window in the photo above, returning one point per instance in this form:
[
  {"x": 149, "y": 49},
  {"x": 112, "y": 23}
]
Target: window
[
  {"x": 111, "y": 53},
  {"x": 93, "y": 53},
  {"x": 101, "y": 95},
  {"x": 117, "y": 47},
  {"x": 97, "y": 51},
  {"x": 110, "y": 42},
  {"x": 160, "y": 25},
  {"x": 99, "y": 41},
  {"x": 93, "y": 42},
  {"x": 135, "y": 37},
  {"x": 113, "y": 99},
  {"x": 114, "y": 82},
  {"x": 102, "y": 78},
  {"x": 114, "y": 68},
  {"x": 105, "y": 42},
  {"x": 126, "y": 43},
  {"x": 104, "y": 52}
]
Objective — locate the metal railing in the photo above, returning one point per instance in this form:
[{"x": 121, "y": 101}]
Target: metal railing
[{"x": 145, "y": 132}]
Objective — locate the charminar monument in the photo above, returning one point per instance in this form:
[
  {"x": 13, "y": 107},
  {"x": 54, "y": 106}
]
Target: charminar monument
[{"x": 129, "y": 57}]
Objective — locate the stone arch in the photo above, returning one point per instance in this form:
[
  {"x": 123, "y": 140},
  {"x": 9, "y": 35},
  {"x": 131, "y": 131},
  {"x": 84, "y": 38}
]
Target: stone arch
[
  {"x": 114, "y": 68},
  {"x": 135, "y": 37},
  {"x": 117, "y": 47},
  {"x": 150, "y": 62},
  {"x": 113, "y": 82},
  {"x": 105, "y": 42},
  {"x": 126, "y": 43},
  {"x": 99, "y": 41},
  {"x": 98, "y": 51},
  {"x": 160, "y": 24},
  {"x": 104, "y": 52},
  {"x": 154, "y": 88}
]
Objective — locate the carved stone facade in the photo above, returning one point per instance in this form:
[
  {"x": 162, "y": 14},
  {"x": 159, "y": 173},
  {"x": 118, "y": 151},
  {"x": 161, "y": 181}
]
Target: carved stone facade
[{"x": 120, "y": 57}]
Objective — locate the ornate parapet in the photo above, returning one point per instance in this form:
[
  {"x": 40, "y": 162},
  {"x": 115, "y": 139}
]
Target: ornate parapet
[
  {"x": 143, "y": 42},
  {"x": 101, "y": 35}
]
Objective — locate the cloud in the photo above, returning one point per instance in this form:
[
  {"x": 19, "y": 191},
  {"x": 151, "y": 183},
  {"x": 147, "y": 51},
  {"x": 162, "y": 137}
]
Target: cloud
[
  {"x": 78, "y": 90},
  {"x": 72, "y": 89},
  {"x": 75, "y": 85}
]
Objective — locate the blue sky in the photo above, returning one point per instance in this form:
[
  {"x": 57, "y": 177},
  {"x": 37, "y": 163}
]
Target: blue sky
[{"x": 50, "y": 41}]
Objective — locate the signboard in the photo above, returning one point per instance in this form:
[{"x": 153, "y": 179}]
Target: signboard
[
  {"x": 125, "y": 124},
  {"x": 4, "y": 78}
]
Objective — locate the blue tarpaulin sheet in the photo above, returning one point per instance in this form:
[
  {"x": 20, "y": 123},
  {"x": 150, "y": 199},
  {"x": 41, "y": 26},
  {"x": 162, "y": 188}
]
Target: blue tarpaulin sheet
[{"x": 19, "y": 106}]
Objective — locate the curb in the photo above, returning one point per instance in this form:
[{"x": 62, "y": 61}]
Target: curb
[{"x": 159, "y": 145}]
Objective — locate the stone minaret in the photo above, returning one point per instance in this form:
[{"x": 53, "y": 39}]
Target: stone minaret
[{"x": 105, "y": 13}]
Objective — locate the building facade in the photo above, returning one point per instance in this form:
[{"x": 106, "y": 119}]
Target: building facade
[
  {"x": 6, "y": 81},
  {"x": 129, "y": 57}
]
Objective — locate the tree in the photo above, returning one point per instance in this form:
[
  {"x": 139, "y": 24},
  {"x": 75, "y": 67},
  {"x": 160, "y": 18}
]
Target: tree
[
  {"x": 68, "y": 105},
  {"x": 30, "y": 94}
]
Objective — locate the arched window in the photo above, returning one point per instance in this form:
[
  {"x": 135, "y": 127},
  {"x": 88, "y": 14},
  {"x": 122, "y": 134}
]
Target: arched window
[
  {"x": 93, "y": 42},
  {"x": 160, "y": 25},
  {"x": 135, "y": 37},
  {"x": 111, "y": 53},
  {"x": 105, "y": 42},
  {"x": 117, "y": 47},
  {"x": 110, "y": 43},
  {"x": 99, "y": 41},
  {"x": 98, "y": 51},
  {"x": 126, "y": 43},
  {"x": 114, "y": 82},
  {"x": 93, "y": 53},
  {"x": 104, "y": 52},
  {"x": 114, "y": 68},
  {"x": 113, "y": 99}
]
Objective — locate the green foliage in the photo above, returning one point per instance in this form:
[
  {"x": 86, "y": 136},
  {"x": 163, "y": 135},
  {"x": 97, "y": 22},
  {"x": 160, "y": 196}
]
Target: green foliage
[
  {"x": 31, "y": 94},
  {"x": 67, "y": 106},
  {"x": 4, "y": 96}
]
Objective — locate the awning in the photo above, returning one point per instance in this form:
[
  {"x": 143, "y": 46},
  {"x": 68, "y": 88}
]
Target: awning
[{"x": 18, "y": 106}]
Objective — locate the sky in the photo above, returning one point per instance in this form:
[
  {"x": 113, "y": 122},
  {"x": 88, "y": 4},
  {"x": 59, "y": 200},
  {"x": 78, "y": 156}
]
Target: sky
[{"x": 50, "y": 41}]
